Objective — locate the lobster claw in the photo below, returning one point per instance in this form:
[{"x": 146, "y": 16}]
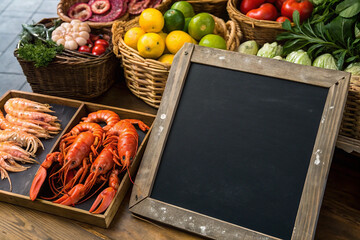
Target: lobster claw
[
  {"x": 42, "y": 173},
  {"x": 73, "y": 196},
  {"x": 103, "y": 200},
  {"x": 37, "y": 183}
]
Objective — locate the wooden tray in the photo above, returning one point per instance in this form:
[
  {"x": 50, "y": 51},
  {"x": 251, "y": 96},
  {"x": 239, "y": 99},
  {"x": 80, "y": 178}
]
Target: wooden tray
[{"x": 69, "y": 112}]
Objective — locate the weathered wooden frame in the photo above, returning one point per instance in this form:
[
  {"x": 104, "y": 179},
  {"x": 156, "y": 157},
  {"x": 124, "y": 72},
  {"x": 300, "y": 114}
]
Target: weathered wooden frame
[
  {"x": 101, "y": 220},
  {"x": 305, "y": 224}
]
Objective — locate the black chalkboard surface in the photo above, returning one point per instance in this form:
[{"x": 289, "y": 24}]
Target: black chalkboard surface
[{"x": 239, "y": 147}]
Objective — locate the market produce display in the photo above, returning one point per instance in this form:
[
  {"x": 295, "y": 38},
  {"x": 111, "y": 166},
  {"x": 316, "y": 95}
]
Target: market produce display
[
  {"x": 109, "y": 10},
  {"x": 333, "y": 28},
  {"x": 26, "y": 121},
  {"x": 160, "y": 36},
  {"x": 106, "y": 151}
]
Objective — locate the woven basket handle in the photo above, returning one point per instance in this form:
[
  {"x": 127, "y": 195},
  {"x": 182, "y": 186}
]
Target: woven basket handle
[
  {"x": 233, "y": 35},
  {"x": 117, "y": 27}
]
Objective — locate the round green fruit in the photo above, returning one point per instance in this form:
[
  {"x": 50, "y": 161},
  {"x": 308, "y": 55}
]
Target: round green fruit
[
  {"x": 174, "y": 20},
  {"x": 185, "y": 8},
  {"x": 186, "y": 25},
  {"x": 213, "y": 41},
  {"x": 201, "y": 25}
]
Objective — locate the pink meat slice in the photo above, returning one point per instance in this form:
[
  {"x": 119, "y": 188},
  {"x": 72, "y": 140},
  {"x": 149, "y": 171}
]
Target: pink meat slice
[
  {"x": 117, "y": 9},
  {"x": 136, "y": 7}
]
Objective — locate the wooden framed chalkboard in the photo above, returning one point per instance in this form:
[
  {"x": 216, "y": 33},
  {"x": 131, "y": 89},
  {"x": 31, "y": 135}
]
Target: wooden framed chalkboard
[{"x": 241, "y": 146}]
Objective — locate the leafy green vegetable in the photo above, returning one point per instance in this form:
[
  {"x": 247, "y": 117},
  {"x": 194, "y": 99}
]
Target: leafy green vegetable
[
  {"x": 348, "y": 8},
  {"x": 249, "y": 47},
  {"x": 36, "y": 45},
  {"x": 325, "y": 61},
  {"x": 31, "y": 32},
  {"x": 299, "y": 57},
  {"x": 270, "y": 50},
  {"x": 42, "y": 52},
  {"x": 353, "y": 68}
]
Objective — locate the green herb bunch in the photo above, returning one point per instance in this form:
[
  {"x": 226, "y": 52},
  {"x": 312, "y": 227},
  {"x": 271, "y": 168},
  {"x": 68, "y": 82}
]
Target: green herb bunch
[
  {"x": 333, "y": 28},
  {"x": 41, "y": 52},
  {"x": 36, "y": 45}
]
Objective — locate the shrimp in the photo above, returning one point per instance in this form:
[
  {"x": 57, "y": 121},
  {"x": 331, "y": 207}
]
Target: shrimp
[
  {"x": 107, "y": 116},
  {"x": 17, "y": 152},
  {"x": 35, "y": 125},
  {"x": 29, "y": 141},
  {"x": 31, "y": 115},
  {"x": 27, "y": 105},
  {"x": 7, "y": 163},
  {"x": 4, "y": 124}
]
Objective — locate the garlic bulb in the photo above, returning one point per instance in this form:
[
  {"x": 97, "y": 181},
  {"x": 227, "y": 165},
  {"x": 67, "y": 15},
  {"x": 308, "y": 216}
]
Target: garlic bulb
[{"x": 71, "y": 35}]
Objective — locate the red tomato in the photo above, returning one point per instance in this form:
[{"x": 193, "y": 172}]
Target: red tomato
[
  {"x": 102, "y": 42},
  {"x": 93, "y": 37},
  {"x": 89, "y": 43},
  {"x": 85, "y": 49},
  {"x": 304, "y": 7},
  {"x": 279, "y": 3},
  {"x": 270, "y": 1},
  {"x": 282, "y": 19},
  {"x": 98, "y": 50},
  {"x": 247, "y": 5},
  {"x": 266, "y": 11}
]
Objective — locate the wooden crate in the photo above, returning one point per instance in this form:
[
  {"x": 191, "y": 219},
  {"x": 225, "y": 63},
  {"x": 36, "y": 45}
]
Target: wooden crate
[{"x": 71, "y": 111}]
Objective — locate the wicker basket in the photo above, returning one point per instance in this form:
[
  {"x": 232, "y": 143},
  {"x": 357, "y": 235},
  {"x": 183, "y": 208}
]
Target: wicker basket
[
  {"x": 146, "y": 78},
  {"x": 350, "y": 126},
  {"x": 262, "y": 31},
  {"x": 64, "y": 6},
  {"x": 72, "y": 74},
  {"x": 215, "y": 7}
]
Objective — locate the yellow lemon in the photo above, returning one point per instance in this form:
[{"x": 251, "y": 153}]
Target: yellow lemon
[
  {"x": 194, "y": 41},
  {"x": 167, "y": 58},
  {"x": 151, "y": 45},
  {"x": 151, "y": 20},
  {"x": 163, "y": 36},
  {"x": 176, "y": 39},
  {"x": 132, "y": 36}
]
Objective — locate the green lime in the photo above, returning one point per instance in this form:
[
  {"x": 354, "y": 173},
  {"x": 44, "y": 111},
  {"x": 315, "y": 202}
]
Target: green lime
[
  {"x": 185, "y": 8},
  {"x": 213, "y": 41},
  {"x": 174, "y": 20},
  {"x": 186, "y": 25},
  {"x": 201, "y": 25}
]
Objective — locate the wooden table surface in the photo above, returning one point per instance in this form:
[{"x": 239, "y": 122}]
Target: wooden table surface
[{"x": 339, "y": 216}]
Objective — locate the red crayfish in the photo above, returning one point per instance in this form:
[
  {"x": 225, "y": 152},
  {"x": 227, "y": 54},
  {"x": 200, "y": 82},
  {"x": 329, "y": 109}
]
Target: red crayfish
[{"x": 89, "y": 157}]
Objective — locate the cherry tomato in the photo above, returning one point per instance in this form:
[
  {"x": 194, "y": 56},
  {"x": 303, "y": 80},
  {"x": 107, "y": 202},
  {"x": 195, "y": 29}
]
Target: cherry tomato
[
  {"x": 85, "y": 49},
  {"x": 279, "y": 3},
  {"x": 93, "y": 37},
  {"x": 304, "y": 7},
  {"x": 89, "y": 43},
  {"x": 247, "y": 5},
  {"x": 282, "y": 19},
  {"x": 102, "y": 42},
  {"x": 98, "y": 50},
  {"x": 266, "y": 11}
]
